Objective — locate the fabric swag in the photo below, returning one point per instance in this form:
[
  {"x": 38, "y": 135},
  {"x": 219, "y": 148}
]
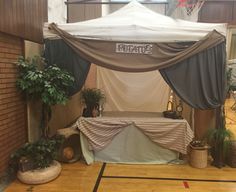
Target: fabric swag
[
  {"x": 163, "y": 55},
  {"x": 194, "y": 70}
]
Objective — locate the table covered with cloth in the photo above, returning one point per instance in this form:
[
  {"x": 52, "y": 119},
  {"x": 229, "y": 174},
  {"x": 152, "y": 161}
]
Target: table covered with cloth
[{"x": 173, "y": 134}]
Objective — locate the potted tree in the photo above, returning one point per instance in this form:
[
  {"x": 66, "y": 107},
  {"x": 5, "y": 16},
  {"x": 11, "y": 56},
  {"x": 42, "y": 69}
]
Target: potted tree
[
  {"x": 50, "y": 85},
  {"x": 92, "y": 98}
]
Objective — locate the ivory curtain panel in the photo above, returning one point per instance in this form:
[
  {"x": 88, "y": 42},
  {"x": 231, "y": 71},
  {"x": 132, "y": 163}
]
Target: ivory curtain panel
[{"x": 133, "y": 91}]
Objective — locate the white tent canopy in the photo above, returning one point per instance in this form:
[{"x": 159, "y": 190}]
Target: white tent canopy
[{"x": 134, "y": 22}]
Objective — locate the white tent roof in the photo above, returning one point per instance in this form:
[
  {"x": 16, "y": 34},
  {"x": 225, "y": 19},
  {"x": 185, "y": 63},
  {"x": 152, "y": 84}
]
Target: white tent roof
[{"x": 134, "y": 22}]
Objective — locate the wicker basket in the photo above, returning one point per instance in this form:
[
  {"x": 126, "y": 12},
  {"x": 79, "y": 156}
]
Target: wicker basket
[{"x": 198, "y": 156}]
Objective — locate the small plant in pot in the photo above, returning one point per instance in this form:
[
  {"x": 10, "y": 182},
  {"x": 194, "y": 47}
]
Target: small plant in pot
[
  {"x": 34, "y": 162},
  {"x": 219, "y": 139},
  {"x": 91, "y": 97},
  {"x": 37, "y": 155},
  {"x": 198, "y": 153}
]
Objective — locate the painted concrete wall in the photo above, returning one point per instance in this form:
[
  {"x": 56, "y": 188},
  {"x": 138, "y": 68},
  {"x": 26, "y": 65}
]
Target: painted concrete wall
[{"x": 33, "y": 107}]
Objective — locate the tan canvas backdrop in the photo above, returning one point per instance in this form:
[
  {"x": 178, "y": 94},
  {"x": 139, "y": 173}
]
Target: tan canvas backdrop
[{"x": 124, "y": 91}]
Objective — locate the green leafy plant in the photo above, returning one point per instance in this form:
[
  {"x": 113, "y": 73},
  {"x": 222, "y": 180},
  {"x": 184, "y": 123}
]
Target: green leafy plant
[
  {"x": 198, "y": 144},
  {"x": 49, "y": 84},
  {"x": 219, "y": 139},
  {"x": 91, "y": 97},
  {"x": 40, "y": 153}
]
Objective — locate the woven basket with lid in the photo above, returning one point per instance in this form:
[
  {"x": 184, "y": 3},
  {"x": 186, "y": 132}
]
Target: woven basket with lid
[{"x": 198, "y": 156}]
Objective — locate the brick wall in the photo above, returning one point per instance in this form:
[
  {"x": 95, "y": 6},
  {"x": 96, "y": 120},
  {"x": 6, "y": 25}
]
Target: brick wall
[{"x": 13, "y": 130}]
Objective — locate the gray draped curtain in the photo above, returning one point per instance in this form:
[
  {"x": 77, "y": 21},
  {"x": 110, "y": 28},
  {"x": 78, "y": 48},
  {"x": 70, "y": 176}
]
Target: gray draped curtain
[
  {"x": 57, "y": 52},
  {"x": 201, "y": 79}
]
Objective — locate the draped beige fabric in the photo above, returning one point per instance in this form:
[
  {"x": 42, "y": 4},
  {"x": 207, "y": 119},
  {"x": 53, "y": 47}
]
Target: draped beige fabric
[{"x": 163, "y": 55}]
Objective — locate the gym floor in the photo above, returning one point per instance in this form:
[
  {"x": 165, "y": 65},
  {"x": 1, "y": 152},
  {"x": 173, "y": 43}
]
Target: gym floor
[
  {"x": 79, "y": 177},
  {"x": 101, "y": 177}
]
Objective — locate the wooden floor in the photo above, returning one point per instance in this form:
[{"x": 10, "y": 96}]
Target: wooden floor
[
  {"x": 99, "y": 177},
  {"x": 79, "y": 177}
]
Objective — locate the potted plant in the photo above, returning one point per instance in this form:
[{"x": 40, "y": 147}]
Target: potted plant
[
  {"x": 39, "y": 154},
  {"x": 219, "y": 139},
  {"x": 35, "y": 161},
  {"x": 50, "y": 85},
  {"x": 91, "y": 97}
]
